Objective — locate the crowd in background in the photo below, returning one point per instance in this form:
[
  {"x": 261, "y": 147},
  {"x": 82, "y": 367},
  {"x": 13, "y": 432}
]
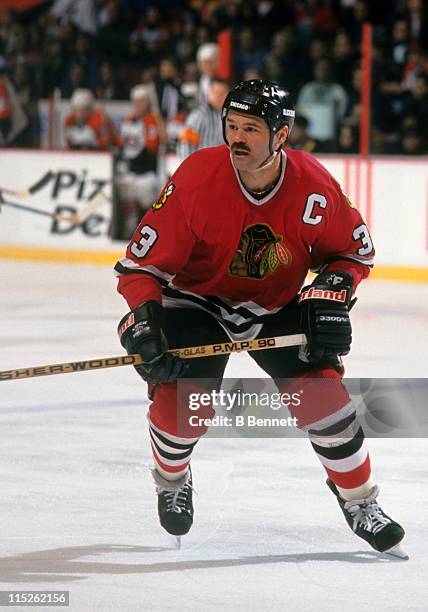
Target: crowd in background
[{"x": 310, "y": 46}]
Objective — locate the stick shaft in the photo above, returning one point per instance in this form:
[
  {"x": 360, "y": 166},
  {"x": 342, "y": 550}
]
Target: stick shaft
[
  {"x": 77, "y": 218},
  {"x": 204, "y": 350},
  {"x": 91, "y": 207},
  {"x": 37, "y": 211}
]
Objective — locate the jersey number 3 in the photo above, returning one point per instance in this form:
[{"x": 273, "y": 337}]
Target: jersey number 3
[
  {"x": 147, "y": 240},
  {"x": 362, "y": 233}
]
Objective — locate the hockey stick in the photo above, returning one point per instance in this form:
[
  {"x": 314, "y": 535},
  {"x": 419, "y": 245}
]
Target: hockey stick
[
  {"x": 204, "y": 350},
  {"x": 73, "y": 218},
  {"x": 24, "y": 193},
  {"x": 37, "y": 211},
  {"x": 92, "y": 206}
]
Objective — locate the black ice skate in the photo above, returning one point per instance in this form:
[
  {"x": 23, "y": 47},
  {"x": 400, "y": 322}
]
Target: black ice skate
[
  {"x": 175, "y": 506},
  {"x": 366, "y": 518}
]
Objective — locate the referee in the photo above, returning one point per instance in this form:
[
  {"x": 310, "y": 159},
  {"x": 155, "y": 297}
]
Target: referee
[{"x": 203, "y": 125}]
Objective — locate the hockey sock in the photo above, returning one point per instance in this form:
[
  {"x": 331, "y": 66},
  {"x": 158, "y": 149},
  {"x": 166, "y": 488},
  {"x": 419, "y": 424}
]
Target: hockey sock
[
  {"x": 341, "y": 448},
  {"x": 171, "y": 454}
]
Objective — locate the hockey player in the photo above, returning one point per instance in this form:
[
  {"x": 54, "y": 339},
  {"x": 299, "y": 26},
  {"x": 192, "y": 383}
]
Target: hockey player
[
  {"x": 136, "y": 179},
  {"x": 86, "y": 126},
  {"x": 223, "y": 254}
]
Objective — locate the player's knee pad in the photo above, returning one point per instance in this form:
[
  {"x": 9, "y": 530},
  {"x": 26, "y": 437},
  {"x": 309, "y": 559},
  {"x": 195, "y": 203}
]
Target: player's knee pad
[{"x": 323, "y": 399}]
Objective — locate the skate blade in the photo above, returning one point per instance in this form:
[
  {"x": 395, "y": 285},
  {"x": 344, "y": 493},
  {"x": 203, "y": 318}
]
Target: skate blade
[
  {"x": 178, "y": 542},
  {"x": 398, "y": 552}
]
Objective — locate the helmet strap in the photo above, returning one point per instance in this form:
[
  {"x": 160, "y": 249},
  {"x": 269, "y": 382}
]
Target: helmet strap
[
  {"x": 273, "y": 154},
  {"x": 267, "y": 163}
]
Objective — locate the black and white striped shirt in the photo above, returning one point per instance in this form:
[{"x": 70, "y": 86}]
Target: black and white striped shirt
[{"x": 202, "y": 129}]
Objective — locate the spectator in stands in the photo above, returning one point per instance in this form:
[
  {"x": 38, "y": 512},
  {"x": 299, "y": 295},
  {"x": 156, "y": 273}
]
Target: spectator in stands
[
  {"x": 168, "y": 89},
  {"x": 354, "y": 19},
  {"x": 51, "y": 69},
  {"x": 109, "y": 86},
  {"x": 283, "y": 51},
  {"x": 82, "y": 13},
  {"x": 9, "y": 26},
  {"x": 343, "y": 58},
  {"x": 248, "y": 53},
  {"x": 232, "y": 15},
  {"x": 187, "y": 34},
  {"x": 136, "y": 177},
  {"x": 353, "y": 109},
  {"x": 67, "y": 36},
  {"x": 324, "y": 21},
  {"x": 203, "y": 35},
  {"x": 26, "y": 92},
  {"x": 152, "y": 31},
  {"x": 13, "y": 119},
  {"x": 347, "y": 140},
  {"x": 22, "y": 51},
  {"x": 77, "y": 80},
  {"x": 416, "y": 63},
  {"x": 185, "y": 51},
  {"x": 203, "y": 126},
  {"x": 273, "y": 70},
  {"x": 323, "y": 102},
  {"x": 88, "y": 126},
  {"x": 299, "y": 137},
  {"x": 114, "y": 32},
  {"x": 270, "y": 16},
  {"x": 191, "y": 73},
  {"x": 82, "y": 56},
  {"x": 400, "y": 41},
  {"x": 306, "y": 58},
  {"x": 412, "y": 143},
  {"x": 417, "y": 18},
  {"x": 416, "y": 103},
  {"x": 207, "y": 58}
]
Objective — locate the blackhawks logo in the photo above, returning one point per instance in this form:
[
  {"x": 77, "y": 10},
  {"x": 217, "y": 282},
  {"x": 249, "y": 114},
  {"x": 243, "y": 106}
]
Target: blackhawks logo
[
  {"x": 260, "y": 252},
  {"x": 161, "y": 201}
]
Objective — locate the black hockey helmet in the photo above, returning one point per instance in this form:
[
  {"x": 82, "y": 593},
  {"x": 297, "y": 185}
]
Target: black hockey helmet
[{"x": 263, "y": 99}]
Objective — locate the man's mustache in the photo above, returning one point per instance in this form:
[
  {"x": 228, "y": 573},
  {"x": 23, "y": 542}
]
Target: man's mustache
[{"x": 240, "y": 147}]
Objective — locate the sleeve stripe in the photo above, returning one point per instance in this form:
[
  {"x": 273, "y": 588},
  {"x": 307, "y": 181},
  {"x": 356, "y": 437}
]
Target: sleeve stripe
[{"x": 127, "y": 266}]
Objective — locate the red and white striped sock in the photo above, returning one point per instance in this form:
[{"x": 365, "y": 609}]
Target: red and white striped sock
[
  {"x": 171, "y": 454},
  {"x": 342, "y": 450}
]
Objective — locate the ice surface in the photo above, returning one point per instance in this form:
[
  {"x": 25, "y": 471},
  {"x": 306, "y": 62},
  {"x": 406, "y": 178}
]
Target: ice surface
[{"x": 78, "y": 505}]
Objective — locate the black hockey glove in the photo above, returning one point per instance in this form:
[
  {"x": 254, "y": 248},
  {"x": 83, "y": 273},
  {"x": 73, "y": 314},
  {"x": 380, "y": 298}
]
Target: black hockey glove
[
  {"x": 140, "y": 332},
  {"x": 325, "y": 306}
]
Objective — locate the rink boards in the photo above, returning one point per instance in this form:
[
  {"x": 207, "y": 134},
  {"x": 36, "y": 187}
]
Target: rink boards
[{"x": 49, "y": 188}]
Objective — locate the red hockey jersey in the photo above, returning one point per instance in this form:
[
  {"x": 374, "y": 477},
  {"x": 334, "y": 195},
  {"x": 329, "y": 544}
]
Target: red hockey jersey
[
  {"x": 96, "y": 132},
  {"x": 208, "y": 243}
]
